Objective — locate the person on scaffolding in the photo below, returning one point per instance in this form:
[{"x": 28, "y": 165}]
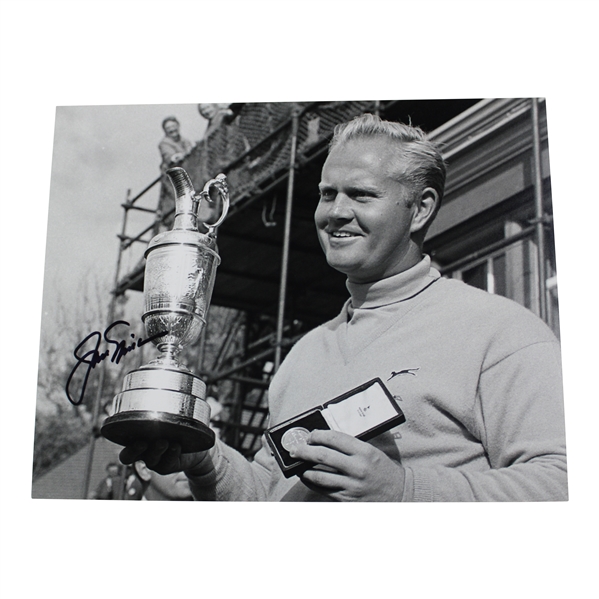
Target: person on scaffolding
[
  {"x": 477, "y": 376},
  {"x": 173, "y": 148}
]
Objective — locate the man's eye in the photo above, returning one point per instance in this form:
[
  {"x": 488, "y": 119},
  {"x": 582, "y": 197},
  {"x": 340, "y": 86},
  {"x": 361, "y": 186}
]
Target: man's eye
[
  {"x": 327, "y": 195},
  {"x": 363, "y": 195}
]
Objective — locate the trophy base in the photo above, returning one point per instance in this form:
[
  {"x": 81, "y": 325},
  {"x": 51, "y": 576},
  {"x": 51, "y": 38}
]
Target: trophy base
[
  {"x": 128, "y": 427},
  {"x": 159, "y": 402}
]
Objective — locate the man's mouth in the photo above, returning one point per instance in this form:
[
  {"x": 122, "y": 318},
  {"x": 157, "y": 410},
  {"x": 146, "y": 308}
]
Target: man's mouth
[{"x": 342, "y": 234}]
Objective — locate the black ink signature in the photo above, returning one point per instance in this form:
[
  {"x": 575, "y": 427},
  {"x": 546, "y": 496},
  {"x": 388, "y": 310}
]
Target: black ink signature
[{"x": 92, "y": 357}]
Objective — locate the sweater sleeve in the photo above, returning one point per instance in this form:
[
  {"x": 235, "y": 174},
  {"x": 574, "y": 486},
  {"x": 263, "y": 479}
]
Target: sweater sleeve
[
  {"x": 519, "y": 414},
  {"x": 226, "y": 475},
  {"x": 166, "y": 151}
]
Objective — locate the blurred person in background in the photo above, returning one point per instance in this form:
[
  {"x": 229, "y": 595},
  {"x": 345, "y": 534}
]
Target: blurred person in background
[
  {"x": 134, "y": 486},
  {"x": 173, "y": 146},
  {"x": 108, "y": 488},
  {"x": 216, "y": 114},
  {"x": 173, "y": 149},
  {"x": 163, "y": 487}
]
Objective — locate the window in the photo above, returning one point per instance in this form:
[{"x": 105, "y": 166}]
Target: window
[{"x": 507, "y": 266}]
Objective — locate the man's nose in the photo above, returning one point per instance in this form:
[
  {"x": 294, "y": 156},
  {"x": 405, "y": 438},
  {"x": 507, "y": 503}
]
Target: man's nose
[{"x": 341, "y": 208}]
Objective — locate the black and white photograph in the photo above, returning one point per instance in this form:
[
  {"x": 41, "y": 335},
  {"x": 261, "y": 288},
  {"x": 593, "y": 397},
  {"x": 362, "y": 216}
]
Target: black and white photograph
[
  {"x": 298, "y": 299},
  {"x": 295, "y": 252}
]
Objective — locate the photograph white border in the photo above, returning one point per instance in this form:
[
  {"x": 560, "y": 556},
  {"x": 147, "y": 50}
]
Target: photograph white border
[{"x": 63, "y": 53}]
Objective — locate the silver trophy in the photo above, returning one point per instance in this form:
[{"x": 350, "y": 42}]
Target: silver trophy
[{"x": 163, "y": 399}]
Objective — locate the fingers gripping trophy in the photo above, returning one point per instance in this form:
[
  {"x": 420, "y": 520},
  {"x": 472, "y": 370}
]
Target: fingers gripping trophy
[{"x": 164, "y": 399}]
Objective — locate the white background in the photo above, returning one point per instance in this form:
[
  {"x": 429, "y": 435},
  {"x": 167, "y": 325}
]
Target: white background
[{"x": 125, "y": 52}]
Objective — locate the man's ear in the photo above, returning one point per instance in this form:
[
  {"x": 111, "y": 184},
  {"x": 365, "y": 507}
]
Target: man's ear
[
  {"x": 425, "y": 205},
  {"x": 142, "y": 471}
]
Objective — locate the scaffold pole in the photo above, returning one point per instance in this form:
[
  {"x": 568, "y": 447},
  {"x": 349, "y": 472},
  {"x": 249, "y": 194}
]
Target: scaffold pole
[
  {"x": 286, "y": 240},
  {"x": 539, "y": 213}
]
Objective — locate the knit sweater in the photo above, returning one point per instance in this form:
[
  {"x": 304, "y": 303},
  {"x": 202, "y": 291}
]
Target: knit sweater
[{"x": 477, "y": 376}]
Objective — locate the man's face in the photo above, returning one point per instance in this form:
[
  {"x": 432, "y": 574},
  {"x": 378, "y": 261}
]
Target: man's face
[
  {"x": 208, "y": 111},
  {"x": 173, "y": 487},
  {"x": 363, "y": 219},
  {"x": 171, "y": 128}
]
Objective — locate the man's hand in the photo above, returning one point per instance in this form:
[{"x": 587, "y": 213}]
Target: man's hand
[
  {"x": 162, "y": 457},
  {"x": 348, "y": 469}
]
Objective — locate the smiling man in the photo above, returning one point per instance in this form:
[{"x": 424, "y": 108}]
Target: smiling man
[
  {"x": 476, "y": 375},
  {"x": 370, "y": 218}
]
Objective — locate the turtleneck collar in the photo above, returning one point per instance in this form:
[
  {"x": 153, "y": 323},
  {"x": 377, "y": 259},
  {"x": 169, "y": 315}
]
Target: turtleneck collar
[{"x": 393, "y": 289}]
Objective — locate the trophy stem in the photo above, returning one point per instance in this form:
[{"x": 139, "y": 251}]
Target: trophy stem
[
  {"x": 169, "y": 356},
  {"x": 170, "y": 352}
]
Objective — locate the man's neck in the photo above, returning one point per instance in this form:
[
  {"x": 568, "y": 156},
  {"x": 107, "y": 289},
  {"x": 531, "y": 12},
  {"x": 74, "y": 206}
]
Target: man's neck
[{"x": 410, "y": 260}]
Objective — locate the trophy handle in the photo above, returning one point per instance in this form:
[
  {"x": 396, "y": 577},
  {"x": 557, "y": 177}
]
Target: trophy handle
[{"x": 220, "y": 182}]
